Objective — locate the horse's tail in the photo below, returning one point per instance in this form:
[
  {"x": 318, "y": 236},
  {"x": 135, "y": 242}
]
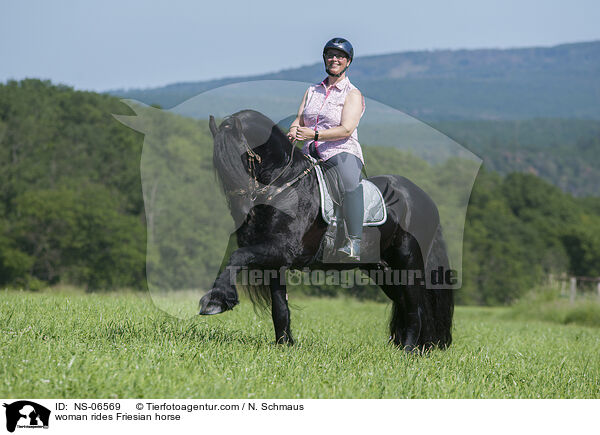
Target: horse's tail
[
  {"x": 435, "y": 305},
  {"x": 439, "y": 300},
  {"x": 260, "y": 295}
]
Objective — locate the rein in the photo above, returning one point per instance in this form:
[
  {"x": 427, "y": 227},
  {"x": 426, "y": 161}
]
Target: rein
[{"x": 254, "y": 191}]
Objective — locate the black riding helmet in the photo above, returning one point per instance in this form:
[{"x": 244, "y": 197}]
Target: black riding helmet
[{"x": 342, "y": 45}]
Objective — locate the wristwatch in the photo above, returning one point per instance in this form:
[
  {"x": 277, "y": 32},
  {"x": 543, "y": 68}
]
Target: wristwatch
[{"x": 316, "y": 135}]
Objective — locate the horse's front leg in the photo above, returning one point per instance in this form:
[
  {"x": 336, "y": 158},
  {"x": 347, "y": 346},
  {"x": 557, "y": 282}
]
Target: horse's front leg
[
  {"x": 280, "y": 311},
  {"x": 223, "y": 295}
]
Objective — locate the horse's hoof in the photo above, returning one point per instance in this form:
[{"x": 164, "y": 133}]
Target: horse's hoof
[
  {"x": 210, "y": 308},
  {"x": 285, "y": 340},
  {"x": 411, "y": 350},
  {"x": 211, "y": 304}
]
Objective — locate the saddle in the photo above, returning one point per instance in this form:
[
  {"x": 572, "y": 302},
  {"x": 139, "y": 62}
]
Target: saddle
[{"x": 375, "y": 214}]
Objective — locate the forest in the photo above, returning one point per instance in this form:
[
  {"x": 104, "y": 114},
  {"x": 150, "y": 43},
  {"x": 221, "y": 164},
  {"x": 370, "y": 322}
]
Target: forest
[{"x": 77, "y": 204}]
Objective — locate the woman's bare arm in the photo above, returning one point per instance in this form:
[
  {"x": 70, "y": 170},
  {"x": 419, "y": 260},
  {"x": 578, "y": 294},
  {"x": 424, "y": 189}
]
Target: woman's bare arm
[{"x": 299, "y": 121}]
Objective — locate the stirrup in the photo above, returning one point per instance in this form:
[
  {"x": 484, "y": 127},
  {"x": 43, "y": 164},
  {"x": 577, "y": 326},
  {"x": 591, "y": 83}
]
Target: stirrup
[{"x": 351, "y": 248}]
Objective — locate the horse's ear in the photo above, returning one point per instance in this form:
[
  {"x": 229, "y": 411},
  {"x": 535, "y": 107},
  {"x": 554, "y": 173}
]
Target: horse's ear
[
  {"x": 237, "y": 124},
  {"x": 213, "y": 126}
]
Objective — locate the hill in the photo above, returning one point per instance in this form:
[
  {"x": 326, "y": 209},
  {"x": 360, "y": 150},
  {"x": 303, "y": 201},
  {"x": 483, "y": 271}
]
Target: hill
[
  {"x": 529, "y": 110},
  {"x": 538, "y": 82}
]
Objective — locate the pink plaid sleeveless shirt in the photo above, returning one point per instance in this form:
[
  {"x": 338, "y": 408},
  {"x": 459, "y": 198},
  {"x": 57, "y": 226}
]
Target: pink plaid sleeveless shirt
[{"x": 323, "y": 110}]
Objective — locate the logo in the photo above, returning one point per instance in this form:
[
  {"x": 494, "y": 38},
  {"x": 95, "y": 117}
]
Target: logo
[{"x": 26, "y": 414}]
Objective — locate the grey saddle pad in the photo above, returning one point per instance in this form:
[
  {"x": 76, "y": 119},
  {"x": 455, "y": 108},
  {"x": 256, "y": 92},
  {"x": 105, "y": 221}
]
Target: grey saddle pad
[{"x": 375, "y": 209}]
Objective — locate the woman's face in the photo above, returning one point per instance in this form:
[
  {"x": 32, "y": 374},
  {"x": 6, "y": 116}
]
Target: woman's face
[{"x": 336, "y": 60}]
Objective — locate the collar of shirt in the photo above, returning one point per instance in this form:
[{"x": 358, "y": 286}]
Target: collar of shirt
[{"x": 339, "y": 85}]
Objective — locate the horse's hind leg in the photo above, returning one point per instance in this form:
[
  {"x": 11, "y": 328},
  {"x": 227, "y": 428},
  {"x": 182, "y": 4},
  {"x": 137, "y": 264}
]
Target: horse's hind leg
[
  {"x": 406, "y": 322},
  {"x": 406, "y": 325},
  {"x": 280, "y": 312}
]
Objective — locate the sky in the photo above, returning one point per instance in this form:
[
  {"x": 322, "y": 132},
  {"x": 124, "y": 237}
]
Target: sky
[{"x": 108, "y": 44}]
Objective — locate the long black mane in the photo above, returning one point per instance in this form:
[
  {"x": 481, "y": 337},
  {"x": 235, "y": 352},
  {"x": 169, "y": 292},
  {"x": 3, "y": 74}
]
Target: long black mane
[{"x": 265, "y": 138}]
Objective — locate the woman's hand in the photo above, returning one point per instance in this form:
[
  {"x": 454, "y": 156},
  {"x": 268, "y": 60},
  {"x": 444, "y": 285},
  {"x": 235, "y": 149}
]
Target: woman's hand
[
  {"x": 292, "y": 133},
  {"x": 305, "y": 133}
]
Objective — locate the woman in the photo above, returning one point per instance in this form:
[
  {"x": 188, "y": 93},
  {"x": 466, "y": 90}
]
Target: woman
[{"x": 327, "y": 121}]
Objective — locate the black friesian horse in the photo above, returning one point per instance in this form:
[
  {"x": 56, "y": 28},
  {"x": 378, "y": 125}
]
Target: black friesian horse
[{"x": 256, "y": 163}]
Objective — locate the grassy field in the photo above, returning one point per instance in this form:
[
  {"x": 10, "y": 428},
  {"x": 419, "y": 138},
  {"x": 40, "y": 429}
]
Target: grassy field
[
  {"x": 71, "y": 345},
  {"x": 549, "y": 305}
]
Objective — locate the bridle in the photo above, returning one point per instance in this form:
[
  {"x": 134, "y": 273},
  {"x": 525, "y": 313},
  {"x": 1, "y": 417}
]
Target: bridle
[{"x": 254, "y": 191}]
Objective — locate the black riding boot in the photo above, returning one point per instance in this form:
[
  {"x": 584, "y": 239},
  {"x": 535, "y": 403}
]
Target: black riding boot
[{"x": 353, "y": 210}]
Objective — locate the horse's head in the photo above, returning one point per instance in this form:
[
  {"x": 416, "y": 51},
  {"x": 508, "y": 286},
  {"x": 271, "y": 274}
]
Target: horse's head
[{"x": 249, "y": 151}]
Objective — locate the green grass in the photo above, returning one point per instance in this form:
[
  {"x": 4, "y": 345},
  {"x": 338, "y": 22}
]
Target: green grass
[
  {"x": 546, "y": 303},
  {"x": 584, "y": 313},
  {"x": 71, "y": 345}
]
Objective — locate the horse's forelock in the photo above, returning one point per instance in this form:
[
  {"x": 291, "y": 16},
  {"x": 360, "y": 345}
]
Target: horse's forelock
[
  {"x": 251, "y": 129},
  {"x": 227, "y": 160}
]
